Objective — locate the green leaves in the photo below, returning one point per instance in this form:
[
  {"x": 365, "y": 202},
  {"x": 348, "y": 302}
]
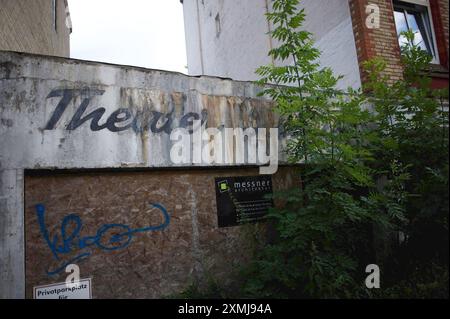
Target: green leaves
[
  {"x": 415, "y": 60},
  {"x": 375, "y": 158}
]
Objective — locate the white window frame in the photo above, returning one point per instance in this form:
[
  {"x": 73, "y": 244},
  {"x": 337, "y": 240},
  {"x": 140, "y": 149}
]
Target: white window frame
[{"x": 426, "y": 3}]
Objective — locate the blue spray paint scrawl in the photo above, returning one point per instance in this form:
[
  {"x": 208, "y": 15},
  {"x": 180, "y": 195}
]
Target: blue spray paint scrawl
[{"x": 71, "y": 241}]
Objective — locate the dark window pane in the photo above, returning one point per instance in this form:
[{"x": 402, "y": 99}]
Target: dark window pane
[{"x": 414, "y": 17}]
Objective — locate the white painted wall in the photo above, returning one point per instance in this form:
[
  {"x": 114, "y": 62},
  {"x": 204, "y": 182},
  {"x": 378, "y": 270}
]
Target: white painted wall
[
  {"x": 242, "y": 44},
  {"x": 25, "y": 143}
]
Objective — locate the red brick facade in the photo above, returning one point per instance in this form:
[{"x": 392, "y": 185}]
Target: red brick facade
[
  {"x": 439, "y": 12},
  {"x": 382, "y": 41}
]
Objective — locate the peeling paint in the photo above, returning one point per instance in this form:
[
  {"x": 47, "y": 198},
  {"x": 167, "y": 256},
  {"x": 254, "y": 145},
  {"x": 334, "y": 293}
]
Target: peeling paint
[{"x": 75, "y": 142}]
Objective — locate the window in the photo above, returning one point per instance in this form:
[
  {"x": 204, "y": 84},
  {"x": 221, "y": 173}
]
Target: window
[
  {"x": 218, "y": 26},
  {"x": 415, "y": 15},
  {"x": 54, "y": 16}
]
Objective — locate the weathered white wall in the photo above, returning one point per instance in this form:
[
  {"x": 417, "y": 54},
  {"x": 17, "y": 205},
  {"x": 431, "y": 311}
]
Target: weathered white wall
[
  {"x": 331, "y": 25},
  {"x": 12, "y": 245},
  {"x": 193, "y": 39},
  {"x": 26, "y": 143},
  {"x": 239, "y": 48},
  {"x": 25, "y": 108},
  {"x": 243, "y": 43}
]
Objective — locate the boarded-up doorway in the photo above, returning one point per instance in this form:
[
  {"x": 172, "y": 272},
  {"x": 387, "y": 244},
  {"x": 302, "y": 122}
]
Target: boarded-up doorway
[{"x": 73, "y": 217}]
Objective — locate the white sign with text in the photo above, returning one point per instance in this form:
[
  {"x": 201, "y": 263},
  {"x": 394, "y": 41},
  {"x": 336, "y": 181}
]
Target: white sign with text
[{"x": 79, "y": 290}]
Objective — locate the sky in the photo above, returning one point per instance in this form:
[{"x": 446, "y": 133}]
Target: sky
[{"x": 145, "y": 33}]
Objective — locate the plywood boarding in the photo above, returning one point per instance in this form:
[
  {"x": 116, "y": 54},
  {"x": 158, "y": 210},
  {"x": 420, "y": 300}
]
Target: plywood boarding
[{"x": 155, "y": 263}]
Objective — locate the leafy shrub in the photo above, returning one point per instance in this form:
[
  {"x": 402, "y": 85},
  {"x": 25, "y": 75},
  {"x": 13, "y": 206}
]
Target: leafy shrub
[{"x": 374, "y": 162}]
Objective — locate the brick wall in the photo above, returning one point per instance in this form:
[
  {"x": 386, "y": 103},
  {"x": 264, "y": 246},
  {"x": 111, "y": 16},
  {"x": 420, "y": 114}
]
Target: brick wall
[
  {"x": 439, "y": 11},
  {"x": 27, "y": 26},
  {"x": 377, "y": 42},
  {"x": 443, "y": 5}
]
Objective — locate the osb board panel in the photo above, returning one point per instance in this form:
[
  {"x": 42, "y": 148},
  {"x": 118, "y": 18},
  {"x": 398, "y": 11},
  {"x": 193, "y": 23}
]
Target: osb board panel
[{"x": 155, "y": 263}]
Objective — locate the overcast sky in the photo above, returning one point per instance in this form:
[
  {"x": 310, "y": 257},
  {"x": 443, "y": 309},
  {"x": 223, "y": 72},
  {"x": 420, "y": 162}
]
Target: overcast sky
[{"x": 146, "y": 33}]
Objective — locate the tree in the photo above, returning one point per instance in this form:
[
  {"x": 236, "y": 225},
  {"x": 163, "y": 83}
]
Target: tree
[
  {"x": 324, "y": 227},
  {"x": 412, "y": 123}
]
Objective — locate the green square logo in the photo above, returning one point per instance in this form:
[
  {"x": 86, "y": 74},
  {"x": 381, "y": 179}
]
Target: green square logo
[{"x": 223, "y": 186}]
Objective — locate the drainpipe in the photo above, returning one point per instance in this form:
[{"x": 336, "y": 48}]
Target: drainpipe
[
  {"x": 269, "y": 29},
  {"x": 200, "y": 38}
]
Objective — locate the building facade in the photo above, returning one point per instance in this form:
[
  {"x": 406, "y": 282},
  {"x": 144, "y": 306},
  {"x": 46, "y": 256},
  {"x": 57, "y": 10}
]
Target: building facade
[
  {"x": 89, "y": 176},
  {"x": 87, "y": 154},
  {"x": 229, "y": 37},
  {"x": 38, "y": 26}
]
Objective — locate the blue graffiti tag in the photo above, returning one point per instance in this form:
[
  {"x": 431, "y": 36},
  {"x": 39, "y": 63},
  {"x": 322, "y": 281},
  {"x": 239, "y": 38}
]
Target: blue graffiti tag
[{"x": 72, "y": 241}]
